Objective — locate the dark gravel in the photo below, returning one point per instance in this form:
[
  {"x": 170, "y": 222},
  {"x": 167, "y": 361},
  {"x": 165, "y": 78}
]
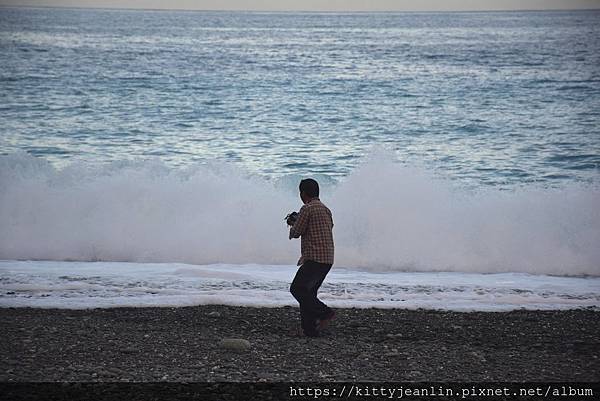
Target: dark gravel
[{"x": 182, "y": 344}]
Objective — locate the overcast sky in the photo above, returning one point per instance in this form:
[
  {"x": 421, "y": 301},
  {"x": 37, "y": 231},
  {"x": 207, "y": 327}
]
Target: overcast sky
[{"x": 322, "y": 5}]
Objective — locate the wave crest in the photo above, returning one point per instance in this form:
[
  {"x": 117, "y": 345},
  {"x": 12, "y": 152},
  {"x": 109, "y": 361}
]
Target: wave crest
[{"x": 387, "y": 217}]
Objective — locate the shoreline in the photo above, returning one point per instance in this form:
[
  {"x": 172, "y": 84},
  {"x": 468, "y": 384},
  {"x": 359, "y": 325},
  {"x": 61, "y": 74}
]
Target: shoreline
[{"x": 175, "y": 344}]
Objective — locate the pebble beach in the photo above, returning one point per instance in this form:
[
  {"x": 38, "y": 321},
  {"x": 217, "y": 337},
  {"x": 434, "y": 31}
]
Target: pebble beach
[{"x": 217, "y": 343}]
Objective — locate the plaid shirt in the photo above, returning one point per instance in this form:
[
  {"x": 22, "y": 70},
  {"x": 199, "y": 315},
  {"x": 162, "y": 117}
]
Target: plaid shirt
[{"x": 314, "y": 225}]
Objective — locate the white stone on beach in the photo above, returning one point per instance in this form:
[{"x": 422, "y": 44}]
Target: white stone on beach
[{"x": 236, "y": 344}]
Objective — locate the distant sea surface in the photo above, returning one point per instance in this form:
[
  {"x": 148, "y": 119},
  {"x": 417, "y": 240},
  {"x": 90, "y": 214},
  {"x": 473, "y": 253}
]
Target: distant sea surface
[
  {"x": 149, "y": 157},
  {"x": 496, "y": 98}
]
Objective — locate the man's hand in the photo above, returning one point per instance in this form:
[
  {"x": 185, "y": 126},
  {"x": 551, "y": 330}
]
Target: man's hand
[{"x": 291, "y": 218}]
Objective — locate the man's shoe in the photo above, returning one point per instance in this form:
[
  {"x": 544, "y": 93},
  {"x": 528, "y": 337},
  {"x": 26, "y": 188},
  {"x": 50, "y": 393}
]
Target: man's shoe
[
  {"x": 299, "y": 332},
  {"x": 324, "y": 322}
]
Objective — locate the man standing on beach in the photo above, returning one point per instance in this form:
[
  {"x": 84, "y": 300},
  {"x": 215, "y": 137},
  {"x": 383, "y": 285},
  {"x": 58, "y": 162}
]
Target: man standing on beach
[{"x": 314, "y": 223}]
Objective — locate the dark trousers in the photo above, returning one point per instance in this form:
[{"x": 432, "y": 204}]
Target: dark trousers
[{"x": 304, "y": 288}]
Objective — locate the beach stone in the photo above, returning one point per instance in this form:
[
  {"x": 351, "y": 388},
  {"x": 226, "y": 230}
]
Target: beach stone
[
  {"x": 236, "y": 344},
  {"x": 214, "y": 314}
]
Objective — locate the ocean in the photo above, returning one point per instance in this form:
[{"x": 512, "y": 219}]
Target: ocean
[{"x": 149, "y": 157}]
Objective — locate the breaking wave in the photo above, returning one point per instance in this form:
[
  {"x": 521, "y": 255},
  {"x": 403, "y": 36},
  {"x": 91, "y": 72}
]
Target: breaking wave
[{"x": 388, "y": 217}]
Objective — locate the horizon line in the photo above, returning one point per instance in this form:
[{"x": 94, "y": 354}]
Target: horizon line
[{"x": 296, "y": 11}]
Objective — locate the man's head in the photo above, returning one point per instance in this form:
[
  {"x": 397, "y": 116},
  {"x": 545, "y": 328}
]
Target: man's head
[{"x": 309, "y": 189}]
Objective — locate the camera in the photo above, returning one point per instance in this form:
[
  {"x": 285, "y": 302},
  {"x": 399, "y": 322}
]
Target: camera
[{"x": 291, "y": 218}]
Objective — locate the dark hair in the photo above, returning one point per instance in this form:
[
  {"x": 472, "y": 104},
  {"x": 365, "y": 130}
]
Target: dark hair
[{"x": 310, "y": 187}]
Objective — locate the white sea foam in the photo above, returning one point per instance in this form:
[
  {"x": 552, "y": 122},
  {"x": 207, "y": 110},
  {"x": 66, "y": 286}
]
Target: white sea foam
[
  {"x": 388, "y": 217},
  {"x": 77, "y": 285}
]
